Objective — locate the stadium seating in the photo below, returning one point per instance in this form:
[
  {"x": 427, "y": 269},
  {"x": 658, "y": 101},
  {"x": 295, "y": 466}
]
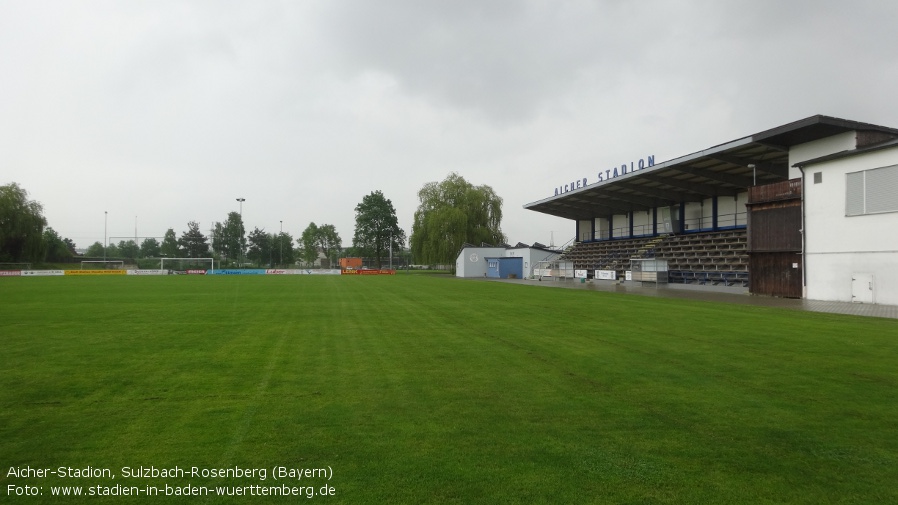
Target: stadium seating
[{"x": 717, "y": 258}]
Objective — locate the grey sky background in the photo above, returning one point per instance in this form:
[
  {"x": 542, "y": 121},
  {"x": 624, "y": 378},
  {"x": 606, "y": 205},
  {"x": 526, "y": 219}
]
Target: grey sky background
[{"x": 165, "y": 112}]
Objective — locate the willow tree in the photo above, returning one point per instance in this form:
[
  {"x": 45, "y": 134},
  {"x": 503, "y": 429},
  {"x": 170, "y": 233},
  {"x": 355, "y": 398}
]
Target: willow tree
[
  {"x": 451, "y": 213},
  {"x": 22, "y": 225}
]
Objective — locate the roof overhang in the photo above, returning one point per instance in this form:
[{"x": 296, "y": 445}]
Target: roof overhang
[{"x": 722, "y": 170}]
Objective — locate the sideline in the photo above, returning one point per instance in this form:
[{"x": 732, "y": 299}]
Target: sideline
[{"x": 737, "y": 295}]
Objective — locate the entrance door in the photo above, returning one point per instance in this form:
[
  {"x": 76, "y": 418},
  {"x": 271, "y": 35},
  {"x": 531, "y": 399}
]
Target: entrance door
[{"x": 862, "y": 288}]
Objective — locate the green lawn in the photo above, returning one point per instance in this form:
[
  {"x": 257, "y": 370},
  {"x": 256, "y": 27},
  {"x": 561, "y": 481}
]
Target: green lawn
[{"x": 431, "y": 389}]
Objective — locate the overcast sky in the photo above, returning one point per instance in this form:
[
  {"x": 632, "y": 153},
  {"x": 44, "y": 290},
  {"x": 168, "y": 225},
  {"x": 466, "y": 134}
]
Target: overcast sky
[{"x": 160, "y": 113}]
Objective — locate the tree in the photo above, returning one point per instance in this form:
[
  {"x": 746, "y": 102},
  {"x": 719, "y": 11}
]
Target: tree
[
  {"x": 329, "y": 241},
  {"x": 169, "y": 247},
  {"x": 128, "y": 249},
  {"x": 452, "y": 213},
  {"x": 322, "y": 239},
  {"x": 259, "y": 249},
  {"x": 377, "y": 230},
  {"x": 217, "y": 239},
  {"x": 229, "y": 238},
  {"x": 308, "y": 244},
  {"x": 149, "y": 248},
  {"x": 193, "y": 242},
  {"x": 112, "y": 251},
  {"x": 282, "y": 248},
  {"x": 21, "y": 226},
  {"x": 70, "y": 245},
  {"x": 55, "y": 248},
  {"x": 95, "y": 250}
]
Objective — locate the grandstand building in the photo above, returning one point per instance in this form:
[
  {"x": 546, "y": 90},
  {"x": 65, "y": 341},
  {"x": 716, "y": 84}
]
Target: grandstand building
[{"x": 804, "y": 210}]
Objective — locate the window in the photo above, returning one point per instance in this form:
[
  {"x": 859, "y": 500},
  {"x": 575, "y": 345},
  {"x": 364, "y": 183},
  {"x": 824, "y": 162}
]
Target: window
[{"x": 872, "y": 191}]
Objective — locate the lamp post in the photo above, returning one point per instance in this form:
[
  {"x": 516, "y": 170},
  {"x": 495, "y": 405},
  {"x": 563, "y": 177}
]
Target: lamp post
[
  {"x": 240, "y": 242},
  {"x": 105, "y": 233},
  {"x": 281, "y": 245}
]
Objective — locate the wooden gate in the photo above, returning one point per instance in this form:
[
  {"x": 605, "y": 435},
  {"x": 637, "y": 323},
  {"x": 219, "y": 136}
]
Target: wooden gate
[
  {"x": 775, "y": 274},
  {"x": 774, "y": 239}
]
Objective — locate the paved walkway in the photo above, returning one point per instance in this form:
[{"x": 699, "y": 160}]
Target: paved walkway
[{"x": 723, "y": 294}]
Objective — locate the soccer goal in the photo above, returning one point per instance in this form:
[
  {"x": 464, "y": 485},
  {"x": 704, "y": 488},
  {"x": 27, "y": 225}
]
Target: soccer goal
[
  {"x": 187, "y": 264},
  {"x": 15, "y": 266},
  {"x": 103, "y": 265}
]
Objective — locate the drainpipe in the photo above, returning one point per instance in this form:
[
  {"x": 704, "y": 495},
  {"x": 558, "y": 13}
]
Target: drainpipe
[{"x": 804, "y": 239}]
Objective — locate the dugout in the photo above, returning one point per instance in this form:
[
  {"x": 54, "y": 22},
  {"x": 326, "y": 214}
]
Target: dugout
[
  {"x": 648, "y": 270},
  {"x": 783, "y": 212}
]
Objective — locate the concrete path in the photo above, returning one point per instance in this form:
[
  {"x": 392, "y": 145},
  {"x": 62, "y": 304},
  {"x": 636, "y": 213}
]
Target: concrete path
[{"x": 723, "y": 294}]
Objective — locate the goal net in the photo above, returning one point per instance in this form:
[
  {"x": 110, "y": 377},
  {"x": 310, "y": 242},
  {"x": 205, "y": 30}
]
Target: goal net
[
  {"x": 187, "y": 265},
  {"x": 102, "y": 265},
  {"x": 15, "y": 266}
]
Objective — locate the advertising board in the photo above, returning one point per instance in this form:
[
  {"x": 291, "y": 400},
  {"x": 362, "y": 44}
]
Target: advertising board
[
  {"x": 42, "y": 273},
  {"x": 95, "y": 272}
]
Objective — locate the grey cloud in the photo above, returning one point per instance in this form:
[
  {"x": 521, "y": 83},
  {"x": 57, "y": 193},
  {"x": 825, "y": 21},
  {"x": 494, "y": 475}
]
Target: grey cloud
[{"x": 503, "y": 60}]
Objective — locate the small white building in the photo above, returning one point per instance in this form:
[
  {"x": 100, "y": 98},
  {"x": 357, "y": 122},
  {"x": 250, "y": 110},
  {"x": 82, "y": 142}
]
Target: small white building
[
  {"x": 471, "y": 261},
  {"x": 851, "y": 222}
]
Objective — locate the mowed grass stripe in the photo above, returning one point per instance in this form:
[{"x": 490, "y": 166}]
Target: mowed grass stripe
[{"x": 420, "y": 389}]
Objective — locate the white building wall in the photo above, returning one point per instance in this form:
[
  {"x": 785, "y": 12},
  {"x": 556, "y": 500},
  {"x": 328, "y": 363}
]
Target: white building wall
[
  {"x": 601, "y": 228},
  {"x": 741, "y": 211},
  {"x": 707, "y": 213},
  {"x": 471, "y": 262},
  {"x": 621, "y": 225},
  {"x": 531, "y": 257},
  {"x": 585, "y": 230},
  {"x": 726, "y": 211},
  {"x": 692, "y": 216},
  {"x": 838, "y": 246},
  {"x": 642, "y": 222},
  {"x": 810, "y": 150}
]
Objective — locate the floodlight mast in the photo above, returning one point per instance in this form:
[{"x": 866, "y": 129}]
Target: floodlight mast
[{"x": 240, "y": 256}]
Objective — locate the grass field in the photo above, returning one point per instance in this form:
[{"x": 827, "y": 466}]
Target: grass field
[{"x": 417, "y": 389}]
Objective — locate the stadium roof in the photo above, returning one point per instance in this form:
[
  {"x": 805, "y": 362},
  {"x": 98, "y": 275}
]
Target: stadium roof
[{"x": 721, "y": 170}]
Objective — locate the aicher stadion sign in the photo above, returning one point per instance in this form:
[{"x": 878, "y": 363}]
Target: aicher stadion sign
[{"x": 607, "y": 175}]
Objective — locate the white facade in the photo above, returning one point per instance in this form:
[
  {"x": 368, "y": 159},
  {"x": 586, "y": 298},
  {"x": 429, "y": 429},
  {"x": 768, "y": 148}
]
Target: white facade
[
  {"x": 848, "y": 258},
  {"x": 698, "y": 216},
  {"x": 471, "y": 262},
  {"x": 809, "y": 150},
  {"x": 642, "y": 223},
  {"x": 532, "y": 257},
  {"x": 585, "y": 230}
]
